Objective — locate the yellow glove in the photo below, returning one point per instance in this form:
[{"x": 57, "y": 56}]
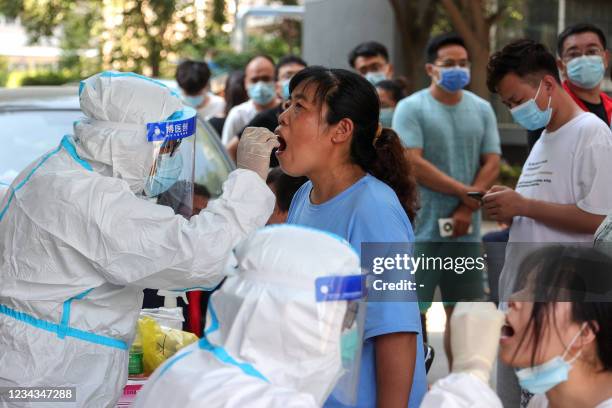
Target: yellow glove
[
  {"x": 254, "y": 150},
  {"x": 475, "y": 328}
]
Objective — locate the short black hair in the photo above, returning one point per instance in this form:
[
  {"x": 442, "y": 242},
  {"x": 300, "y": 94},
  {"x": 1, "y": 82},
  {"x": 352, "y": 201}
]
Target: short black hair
[
  {"x": 394, "y": 87},
  {"x": 264, "y": 56},
  {"x": 368, "y": 49},
  {"x": 200, "y": 190},
  {"x": 288, "y": 60},
  {"x": 525, "y": 58},
  {"x": 285, "y": 187},
  {"x": 439, "y": 41},
  {"x": 192, "y": 76},
  {"x": 579, "y": 29},
  {"x": 235, "y": 92}
]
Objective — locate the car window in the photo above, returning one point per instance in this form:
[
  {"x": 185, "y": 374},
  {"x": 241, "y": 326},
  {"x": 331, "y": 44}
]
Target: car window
[
  {"x": 212, "y": 165},
  {"x": 26, "y": 135}
]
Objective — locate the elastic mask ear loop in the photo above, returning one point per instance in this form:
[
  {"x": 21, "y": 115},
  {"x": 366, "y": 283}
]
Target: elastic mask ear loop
[
  {"x": 536, "y": 97},
  {"x": 567, "y": 349},
  {"x": 538, "y": 91}
]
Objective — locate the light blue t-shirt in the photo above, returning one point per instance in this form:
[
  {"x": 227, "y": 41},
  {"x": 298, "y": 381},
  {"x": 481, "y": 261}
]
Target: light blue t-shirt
[
  {"x": 452, "y": 138},
  {"x": 368, "y": 211}
]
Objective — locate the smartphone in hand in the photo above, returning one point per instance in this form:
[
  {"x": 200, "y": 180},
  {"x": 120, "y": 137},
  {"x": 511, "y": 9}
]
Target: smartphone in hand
[{"x": 476, "y": 195}]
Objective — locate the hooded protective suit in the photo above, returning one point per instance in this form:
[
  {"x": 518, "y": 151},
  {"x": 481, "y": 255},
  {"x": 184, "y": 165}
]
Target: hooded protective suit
[
  {"x": 77, "y": 246},
  {"x": 268, "y": 342}
]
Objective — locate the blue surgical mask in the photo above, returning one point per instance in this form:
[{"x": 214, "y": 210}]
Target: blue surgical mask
[
  {"x": 375, "y": 77},
  {"x": 529, "y": 116},
  {"x": 193, "y": 101},
  {"x": 349, "y": 344},
  {"x": 541, "y": 378},
  {"x": 386, "y": 116},
  {"x": 285, "y": 90},
  {"x": 262, "y": 93},
  {"x": 454, "y": 79},
  {"x": 586, "y": 72},
  {"x": 166, "y": 174}
]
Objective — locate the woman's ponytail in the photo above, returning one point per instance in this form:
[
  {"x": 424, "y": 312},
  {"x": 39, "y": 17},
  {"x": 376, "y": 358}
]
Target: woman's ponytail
[{"x": 393, "y": 168}]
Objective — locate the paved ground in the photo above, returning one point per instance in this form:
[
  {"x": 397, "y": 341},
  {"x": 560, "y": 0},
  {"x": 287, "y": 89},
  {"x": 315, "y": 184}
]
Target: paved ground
[{"x": 435, "y": 331}]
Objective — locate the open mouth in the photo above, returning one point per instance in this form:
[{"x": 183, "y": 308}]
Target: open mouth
[
  {"x": 282, "y": 142},
  {"x": 507, "y": 331}
]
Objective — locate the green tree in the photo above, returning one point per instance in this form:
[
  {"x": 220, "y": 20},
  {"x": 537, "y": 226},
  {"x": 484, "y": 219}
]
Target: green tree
[
  {"x": 4, "y": 74},
  {"x": 39, "y": 18},
  {"x": 74, "y": 23},
  {"x": 81, "y": 29},
  {"x": 150, "y": 31},
  {"x": 215, "y": 41},
  {"x": 147, "y": 33}
]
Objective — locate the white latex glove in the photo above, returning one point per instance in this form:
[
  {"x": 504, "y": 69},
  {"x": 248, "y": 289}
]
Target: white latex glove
[
  {"x": 475, "y": 328},
  {"x": 254, "y": 150}
]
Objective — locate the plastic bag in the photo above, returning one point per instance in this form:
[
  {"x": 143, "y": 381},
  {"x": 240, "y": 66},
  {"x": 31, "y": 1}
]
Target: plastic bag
[
  {"x": 160, "y": 343},
  {"x": 169, "y": 317}
]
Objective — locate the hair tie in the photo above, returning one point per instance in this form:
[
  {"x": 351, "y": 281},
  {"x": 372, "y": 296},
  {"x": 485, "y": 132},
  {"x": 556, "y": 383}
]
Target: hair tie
[{"x": 378, "y": 133}]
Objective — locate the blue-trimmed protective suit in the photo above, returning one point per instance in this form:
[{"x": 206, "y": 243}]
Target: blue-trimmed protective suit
[
  {"x": 77, "y": 245},
  {"x": 268, "y": 342}
]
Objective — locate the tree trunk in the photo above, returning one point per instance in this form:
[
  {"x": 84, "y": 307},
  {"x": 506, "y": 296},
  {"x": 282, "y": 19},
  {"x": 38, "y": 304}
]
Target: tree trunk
[
  {"x": 478, "y": 83},
  {"x": 154, "y": 62},
  {"x": 414, "y": 62},
  {"x": 414, "y": 20},
  {"x": 471, "y": 23}
]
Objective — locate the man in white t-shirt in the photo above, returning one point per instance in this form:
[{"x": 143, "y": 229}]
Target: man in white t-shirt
[
  {"x": 193, "y": 77},
  {"x": 261, "y": 88},
  {"x": 563, "y": 193}
]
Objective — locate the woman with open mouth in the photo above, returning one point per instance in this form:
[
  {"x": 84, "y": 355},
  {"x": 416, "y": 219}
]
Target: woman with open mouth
[
  {"x": 558, "y": 331},
  {"x": 557, "y": 336},
  {"x": 361, "y": 188}
]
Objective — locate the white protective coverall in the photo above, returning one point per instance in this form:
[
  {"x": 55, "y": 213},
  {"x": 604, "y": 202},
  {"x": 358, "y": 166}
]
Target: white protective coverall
[
  {"x": 463, "y": 390},
  {"x": 77, "y": 246},
  {"x": 268, "y": 342}
]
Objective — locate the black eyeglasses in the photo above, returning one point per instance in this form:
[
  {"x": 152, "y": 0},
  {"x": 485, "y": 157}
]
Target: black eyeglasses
[{"x": 589, "y": 52}]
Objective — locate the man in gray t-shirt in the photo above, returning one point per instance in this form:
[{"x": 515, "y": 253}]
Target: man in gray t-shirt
[{"x": 452, "y": 139}]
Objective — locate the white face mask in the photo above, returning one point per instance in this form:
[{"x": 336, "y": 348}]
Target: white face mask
[{"x": 375, "y": 77}]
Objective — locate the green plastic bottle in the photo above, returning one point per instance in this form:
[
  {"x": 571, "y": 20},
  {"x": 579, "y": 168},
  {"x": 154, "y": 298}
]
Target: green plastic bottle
[{"x": 135, "y": 365}]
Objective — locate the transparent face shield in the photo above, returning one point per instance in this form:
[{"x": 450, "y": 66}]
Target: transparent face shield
[
  {"x": 171, "y": 177},
  {"x": 342, "y": 297}
]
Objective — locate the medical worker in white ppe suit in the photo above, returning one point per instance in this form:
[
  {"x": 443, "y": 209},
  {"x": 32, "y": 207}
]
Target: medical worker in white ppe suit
[
  {"x": 270, "y": 341},
  {"x": 81, "y": 236}
]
